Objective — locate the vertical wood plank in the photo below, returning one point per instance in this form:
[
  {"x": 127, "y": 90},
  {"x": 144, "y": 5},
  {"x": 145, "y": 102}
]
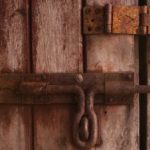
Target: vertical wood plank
[
  {"x": 53, "y": 127},
  {"x": 14, "y": 119},
  {"x": 114, "y": 53},
  {"x": 57, "y": 47},
  {"x": 57, "y": 42},
  {"x": 13, "y": 36},
  {"x": 148, "y": 97},
  {"x": 15, "y": 131}
]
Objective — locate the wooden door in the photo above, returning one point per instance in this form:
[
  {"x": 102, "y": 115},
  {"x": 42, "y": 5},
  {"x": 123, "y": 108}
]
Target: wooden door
[{"x": 46, "y": 36}]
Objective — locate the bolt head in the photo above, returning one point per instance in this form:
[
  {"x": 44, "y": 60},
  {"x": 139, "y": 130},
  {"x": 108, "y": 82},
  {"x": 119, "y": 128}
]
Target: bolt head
[
  {"x": 79, "y": 78},
  {"x": 130, "y": 76}
]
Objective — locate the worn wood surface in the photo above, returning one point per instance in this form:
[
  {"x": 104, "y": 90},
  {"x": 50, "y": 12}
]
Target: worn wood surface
[
  {"x": 13, "y": 35},
  {"x": 15, "y": 120},
  {"x": 15, "y": 127},
  {"x": 119, "y": 124},
  {"x": 57, "y": 47},
  {"x": 57, "y": 43},
  {"x": 53, "y": 124}
]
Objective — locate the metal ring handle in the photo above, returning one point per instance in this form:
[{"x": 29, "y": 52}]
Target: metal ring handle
[{"x": 92, "y": 118}]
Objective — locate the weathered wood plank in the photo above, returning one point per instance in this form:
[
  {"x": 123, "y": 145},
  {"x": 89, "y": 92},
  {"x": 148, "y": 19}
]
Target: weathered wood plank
[
  {"x": 15, "y": 131},
  {"x": 53, "y": 124},
  {"x": 119, "y": 126},
  {"x": 57, "y": 42},
  {"x": 13, "y": 36},
  {"x": 57, "y": 47},
  {"x": 14, "y": 119}
]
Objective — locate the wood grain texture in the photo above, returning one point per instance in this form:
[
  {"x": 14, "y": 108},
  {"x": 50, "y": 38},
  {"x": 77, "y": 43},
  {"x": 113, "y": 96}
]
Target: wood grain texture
[
  {"x": 57, "y": 42},
  {"x": 14, "y": 119},
  {"x": 53, "y": 124},
  {"x": 15, "y": 131},
  {"x": 13, "y": 35},
  {"x": 57, "y": 47},
  {"x": 119, "y": 124}
]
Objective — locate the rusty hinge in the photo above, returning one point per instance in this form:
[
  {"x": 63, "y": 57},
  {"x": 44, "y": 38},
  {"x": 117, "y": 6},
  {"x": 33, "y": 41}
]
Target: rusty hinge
[
  {"x": 107, "y": 88},
  {"x": 116, "y": 19}
]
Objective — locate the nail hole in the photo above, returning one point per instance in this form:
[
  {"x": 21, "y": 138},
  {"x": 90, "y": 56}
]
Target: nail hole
[
  {"x": 105, "y": 112},
  {"x": 92, "y": 20}
]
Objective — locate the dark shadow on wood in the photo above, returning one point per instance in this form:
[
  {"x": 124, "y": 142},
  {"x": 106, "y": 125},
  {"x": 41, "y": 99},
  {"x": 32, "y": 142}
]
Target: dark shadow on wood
[
  {"x": 31, "y": 70},
  {"x": 84, "y": 40},
  {"x": 143, "y": 80}
]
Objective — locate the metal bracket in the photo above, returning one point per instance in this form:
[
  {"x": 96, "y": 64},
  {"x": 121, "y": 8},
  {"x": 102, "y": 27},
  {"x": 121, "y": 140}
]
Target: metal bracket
[
  {"x": 116, "y": 20},
  {"x": 107, "y": 88}
]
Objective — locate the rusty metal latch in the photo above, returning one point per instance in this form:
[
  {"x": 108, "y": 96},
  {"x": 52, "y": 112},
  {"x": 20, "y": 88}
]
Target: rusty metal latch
[
  {"x": 88, "y": 89},
  {"x": 114, "y": 19}
]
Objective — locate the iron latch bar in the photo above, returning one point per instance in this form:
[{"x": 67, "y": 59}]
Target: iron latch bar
[
  {"x": 114, "y": 19},
  {"x": 31, "y": 88},
  {"x": 113, "y": 89},
  {"x": 21, "y": 88}
]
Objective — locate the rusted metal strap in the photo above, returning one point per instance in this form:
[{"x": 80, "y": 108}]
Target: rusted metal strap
[
  {"x": 47, "y": 88},
  {"x": 117, "y": 20}
]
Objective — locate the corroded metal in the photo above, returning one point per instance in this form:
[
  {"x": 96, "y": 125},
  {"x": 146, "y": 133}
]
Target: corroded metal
[
  {"x": 21, "y": 88},
  {"x": 118, "y": 86},
  {"x": 92, "y": 120},
  {"x": 144, "y": 19},
  {"x": 84, "y": 128},
  {"x": 117, "y": 20},
  {"x": 108, "y": 14},
  {"x": 93, "y": 20},
  {"x": 113, "y": 89},
  {"x": 125, "y": 20}
]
